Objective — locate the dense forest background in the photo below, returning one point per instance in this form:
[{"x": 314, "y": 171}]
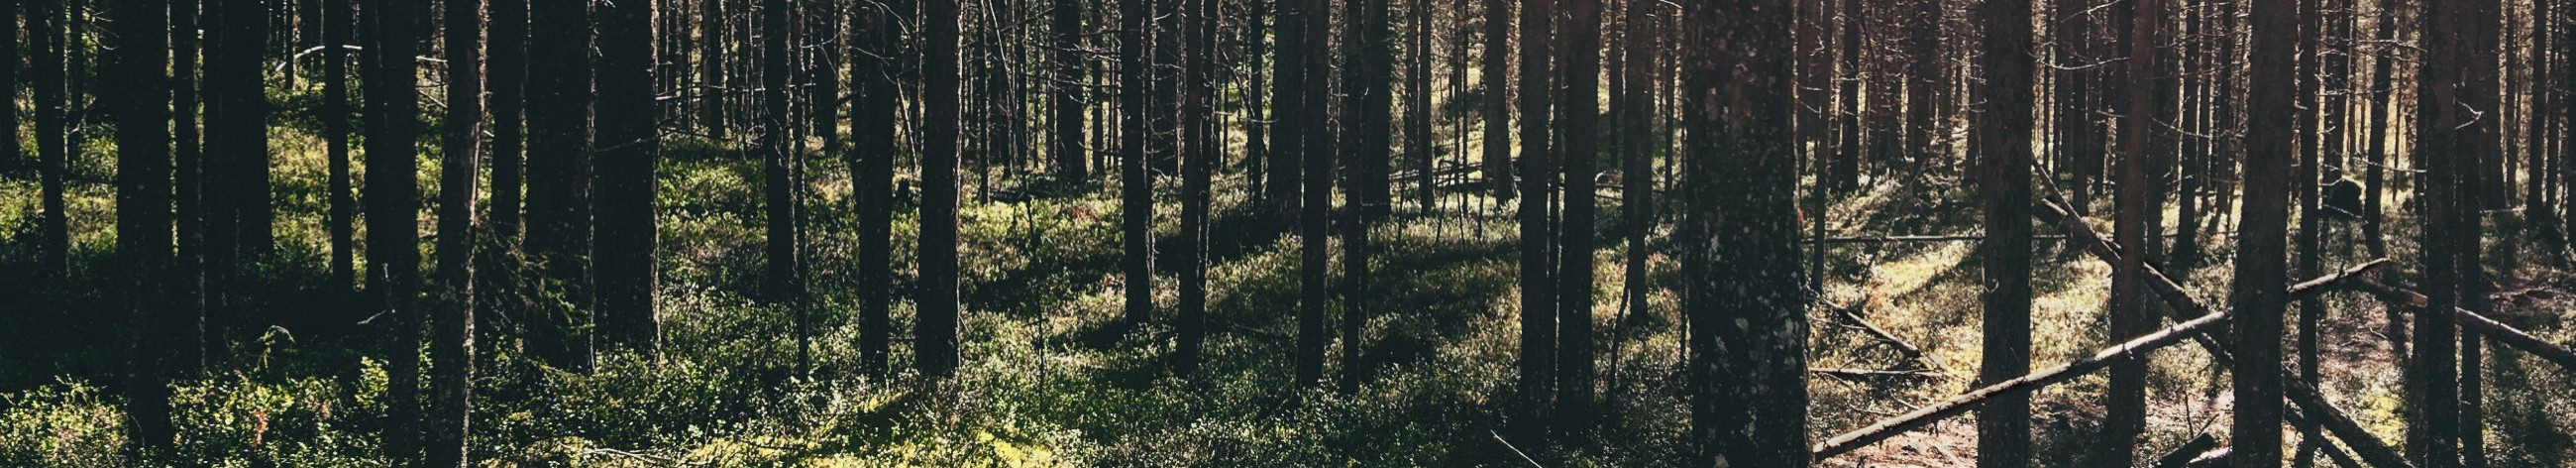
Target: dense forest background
[{"x": 1287, "y": 233}]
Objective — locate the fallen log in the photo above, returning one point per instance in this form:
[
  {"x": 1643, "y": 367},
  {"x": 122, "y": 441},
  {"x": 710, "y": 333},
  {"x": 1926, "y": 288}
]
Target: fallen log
[
  {"x": 1901, "y": 346},
  {"x": 1871, "y": 373},
  {"x": 2312, "y": 403},
  {"x": 2480, "y": 323},
  {"x": 1960, "y": 404},
  {"x": 2191, "y": 450}
]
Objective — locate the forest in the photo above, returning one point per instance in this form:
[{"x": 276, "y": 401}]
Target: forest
[{"x": 1709, "y": 233}]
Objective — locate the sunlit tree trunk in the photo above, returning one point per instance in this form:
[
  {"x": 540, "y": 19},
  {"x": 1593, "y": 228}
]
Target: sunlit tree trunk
[
  {"x": 2257, "y": 294},
  {"x": 460, "y": 158}
]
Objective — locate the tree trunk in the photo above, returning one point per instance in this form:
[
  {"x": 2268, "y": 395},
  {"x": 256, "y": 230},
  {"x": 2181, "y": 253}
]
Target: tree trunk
[
  {"x": 1923, "y": 78},
  {"x": 452, "y": 331},
  {"x": 2127, "y": 406},
  {"x": 2374, "y": 184},
  {"x": 1196, "y": 167},
  {"x": 1068, "y": 105},
  {"x": 872, "y": 155},
  {"x": 1417, "y": 108},
  {"x": 506, "y": 78},
  {"x": 1495, "y": 66},
  {"x": 1313, "y": 222},
  {"x": 2072, "y": 141},
  {"x": 711, "y": 90},
  {"x": 1637, "y": 164},
  {"x": 2313, "y": 123},
  {"x": 45, "y": 40},
  {"x": 559, "y": 117},
  {"x": 247, "y": 114},
  {"x": 1844, "y": 170},
  {"x": 2257, "y": 294},
  {"x": 630, "y": 150},
  {"x": 2003, "y": 178},
  {"x": 335, "y": 142},
  {"x": 1287, "y": 147},
  {"x": 1537, "y": 386},
  {"x": 935, "y": 331},
  {"x": 143, "y": 228},
  {"x": 784, "y": 281},
  {"x": 1748, "y": 364},
  {"x": 1574, "y": 272},
  {"x": 9, "y": 144},
  {"x": 393, "y": 208},
  {"x": 1136, "y": 184},
  {"x": 188, "y": 159}
]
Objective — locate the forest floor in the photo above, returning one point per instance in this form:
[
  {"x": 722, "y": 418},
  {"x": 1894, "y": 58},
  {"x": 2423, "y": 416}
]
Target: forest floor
[{"x": 1051, "y": 380}]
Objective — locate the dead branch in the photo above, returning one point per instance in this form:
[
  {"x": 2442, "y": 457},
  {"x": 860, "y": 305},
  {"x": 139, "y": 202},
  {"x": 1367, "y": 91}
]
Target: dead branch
[
  {"x": 2182, "y": 456},
  {"x": 2480, "y": 323}
]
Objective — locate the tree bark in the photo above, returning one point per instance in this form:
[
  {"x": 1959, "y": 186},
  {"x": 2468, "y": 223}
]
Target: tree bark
[
  {"x": 1746, "y": 308},
  {"x": 630, "y": 148},
  {"x": 1136, "y": 183},
  {"x": 2003, "y": 178},
  {"x": 872, "y": 161},
  {"x": 784, "y": 280},
  {"x": 560, "y": 96},
  {"x": 1494, "y": 67},
  {"x": 1196, "y": 168},
  {"x": 1369, "y": 103},
  {"x": 935, "y": 331},
  {"x": 1575, "y": 270},
  {"x": 452, "y": 331},
  {"x": 1287, "y": 146},
  {"x": 45, "y": 40},
  {"x": 2127, "y": 405},
  {"x": 2257, "y": 295},
  {"x": 143, "y": 222},
  {"x": 393, "y": 209},
  {"x": 335, "y": 142},
  {"x": 1066, "y": 144},
  {"x": 1537, "y": 385},
  {"x": 1313, "y": 215}
]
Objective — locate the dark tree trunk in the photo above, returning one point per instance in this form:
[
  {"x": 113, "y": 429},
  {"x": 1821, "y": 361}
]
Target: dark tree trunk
[
  {"x": 2076, "y": 156},
  {"x": 1537, "y": 385},
  {"x": 246, "y": 113},
  {"x": 1287, "y": 147},
  {"x": 630, "y": 148},
  {"x": 935, "y": 332},
  {"x": 45, "y": 42},
  {"x": 1748, "y": 313},
  {"x": 1199, "y": 135},
  {"x": 452, "y": 330},
  {"x": 1495, "y": 67},
  {"x": 335, "y": 144},
  {"x": 823, "y": 77},
  {"x": 1136, "y": 135},
  {"x": 187, "y": 158},
  {"x": 1313, "y": 221},
  {"x": 2432, "y": 427},
  {"x": 2135, "y": 227},
  {"x": 2484, "y": 20},
  {"x": 2314, "y": 126},
  {"x": 1574, "y": 273},
  {"x": 784, "y": 275},
  {"x": 2258, "y": 290},
  {"x": 2003, "y": 178},
  {"x": 141, "y": 104},
  {"x": 393, "y": 208},
  {"x": 1637, "y": 170},
  {"x": 1369, "y": 107},
  {"x": 9, "y": 65},
  {"x": 506, "y": 78},
  {"x": 559, "y": 100},
  {"x": 1844, "y": 172},
  {"x": 872, "y": 155},
  {"x": 1417, "y": 108},
  {"x": 1922, "y": 81},
  {"x": 2375, "y": 177},
  {"x": 711, "y": 91},
  {"x": 1068, "y": 105}
]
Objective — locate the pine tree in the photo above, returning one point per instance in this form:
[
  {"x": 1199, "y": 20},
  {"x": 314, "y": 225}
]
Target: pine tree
[
  {"x": 2257, "y": 295},
  {"x": 935, "y": 331},
  {"x": 1136, "y": 135},
  {"x": 1575, "y": 271},
  {"x": 1747, "y": 311},
  {"x": 2003, "y": 181},
  {"x": 460, "y": 158},
  {"x": 143, "y": 222},
  {"x": 630, "y": 149},
  {"x": 559, "y": 99},
  {"x": 393, "y": 209},
  {"x": 1537, "y": 385}
]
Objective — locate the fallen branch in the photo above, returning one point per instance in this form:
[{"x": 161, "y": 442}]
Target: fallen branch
[
  {"x": 1871, "y": 373},
  {"x": 2310, "y": 402},
  {"x": 1902, "y": 347},
  {"x": 1960, "y": 404},
  {"x": 2480, "y": 323},
  {"x": 2182, "y": 456}
]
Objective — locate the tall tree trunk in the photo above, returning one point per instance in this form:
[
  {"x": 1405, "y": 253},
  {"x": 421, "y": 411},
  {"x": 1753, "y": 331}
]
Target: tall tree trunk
[
  {"x": 1136, "y": 185},
  {"x": 784, "y": 274},
  {"x": 2130, "y": 314},
  {"x": 1637, "y": 164},
  {"x": 506, "y": 78},
  {"x": 187, "y": 159},
  {"x": 2072, "y": 141},
  {"x": 1748, "y": 368},
  {"x": 1922, "y": 80},
  {"x": 9, "y": 144},
  {"x": 1369, "y": 105},
  {"x": 1068, "y": 104},
  {"x": 2484, "y": 22},
  {"x": 629, "y": 152},
  {"x": 822, "y": 76},
  {"x": 143, "y": 228},
  {"x": 1200, "y": 140},
  {"x": 1843, "y": 174},
  {"x": 247, "y": 114},
  {"x": 2003, "y": 178},
  {"x": 1497, "y": 109},
  {"x": 2375, "y": 178},
  {"x": 935, "y": 331},
  {"x": 2313, "y": 127},
  {"x": 1313, "y": 222},
  {"x": 711, "y": 90},
  {"x": 2257, "y": 295},
  {"x": 1537, "y": 386},
  {"x": 2432, "y": 381},
  {"x": 393, "y": 207},
  {"x": 1574, "y": 272},
  {"x": 1417, "y": 108},
  {"x": 452, "y": 330},
  {"x": 872, "y": 160},
  {"x": 559, "y": 100},
  {"x": 45, "y": 41},
  {"x": 335, "y": 144},
  {"x": 1287, "y": 147}
]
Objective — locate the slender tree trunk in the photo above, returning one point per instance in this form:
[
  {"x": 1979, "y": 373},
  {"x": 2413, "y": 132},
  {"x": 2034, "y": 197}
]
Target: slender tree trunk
[
  {"x": 2075, "y": 154},
  {"x": 630, "y": 148},
  {"x": 1537, "y": 386},
  {"x": 1196, "y": 168},
  {"x": 1417, "y": 108},
  {"x": 143, "y": 228},
  {"x": 935, "y": 331},
  {"x": 1497, "y": 109},
  {"x": 784, "y": 281},
  {"x": 335, "y": 143},
  {"x": 247, "y": 114},
  {"x": 44, "y": 40},
  {"x": 2003, "y": 173},
  {"x": 393, "y": 209},
  {"x": 506, "y": 78},
  {"x": 1068, "y": 105},
  {"x": 2130, "y": 316},
  {"x": 1136, "y": 185},
  {"x": 2484, "y": 22},
  {"x": 9, "y": 141},
  {"x": 559, "y": 100},
  {"x": 711, "y": 89},
  {"x": 1368, "y": 109},
  {"x": 1637, "y": 171},
  {"x": 1287, "y": 147},
  {"x": 1313, "y": 211},
  {"x": 187, "y": 159},
  {"x": 452, "y": 331},
  {"x": 2374, "y": 184},
  {"x": 1844, "y": 171},
  {"x": 1575, "y": 267},
  {"x": 2313, "y": 135},
  {"x": 872, "y": 155},
  {"x": 1748, "y": 364},
  {"x": 1923, "y": 79},
  {"x": 2257, "y": 293}
]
